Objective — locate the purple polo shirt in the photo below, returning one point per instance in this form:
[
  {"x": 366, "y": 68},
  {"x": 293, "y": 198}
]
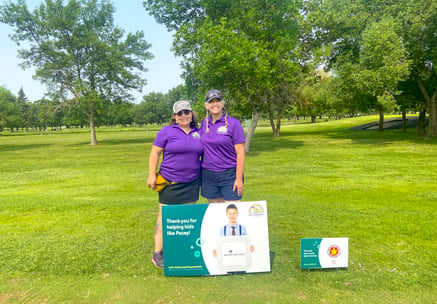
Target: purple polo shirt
[
  {"x": 218, "y": 145},
  {"x": 181, "y": 155}
]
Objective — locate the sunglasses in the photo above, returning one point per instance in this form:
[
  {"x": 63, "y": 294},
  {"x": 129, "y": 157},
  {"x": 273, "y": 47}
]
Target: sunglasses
[
  {"x": 185, "y": 112},
  {"x": 214, "y": 100}
]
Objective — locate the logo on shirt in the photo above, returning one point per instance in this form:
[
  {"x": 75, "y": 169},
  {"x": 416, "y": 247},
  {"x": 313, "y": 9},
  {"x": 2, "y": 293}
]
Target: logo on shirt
[
  {"x": 196, "y": 135},
  {"x": 222, "y": 130}
]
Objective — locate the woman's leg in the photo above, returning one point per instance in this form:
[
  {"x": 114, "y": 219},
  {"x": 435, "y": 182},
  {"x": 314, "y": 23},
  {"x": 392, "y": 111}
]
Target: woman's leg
[
  {"x": 216, "y": 200},
  {"x": 158, "y": 230},
  {"x": 158, "y": 258}
]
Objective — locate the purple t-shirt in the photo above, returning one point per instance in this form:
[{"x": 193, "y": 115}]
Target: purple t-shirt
[
  {"x": 182, "y": 153},
  {"x": 218, "y": 145}
]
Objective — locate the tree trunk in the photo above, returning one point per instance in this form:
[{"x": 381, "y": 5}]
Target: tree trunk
[
  {"x": 432, "y": 109},
  {"x": 313, "y": 119},
  {"x": 255, "y": 118},
  {"x": 272, "y": 122},
  {"x": 421, "y": 122},
  {"x": 278, "y": 125},
  {"x": 381, "y": 119},
  {"x": 92, "y": 129},
  {"x": 432, "y": 116},
  {"x": 278, "y": 119},
  {"x": 404, "y": 120}
]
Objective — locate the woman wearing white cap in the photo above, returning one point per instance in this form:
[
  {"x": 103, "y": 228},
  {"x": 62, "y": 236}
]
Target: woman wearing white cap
[{"x": 180, "y": 167}]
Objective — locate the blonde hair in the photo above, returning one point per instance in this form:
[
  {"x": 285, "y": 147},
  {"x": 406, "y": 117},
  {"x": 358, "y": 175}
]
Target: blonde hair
[{"x": 207, "y": 120}]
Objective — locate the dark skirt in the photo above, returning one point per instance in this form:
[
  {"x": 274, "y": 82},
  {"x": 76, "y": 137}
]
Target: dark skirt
[{"x": 180, "y": 193}]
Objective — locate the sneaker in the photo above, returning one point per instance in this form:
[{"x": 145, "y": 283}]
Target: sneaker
[{"x": 158, "y": 259}]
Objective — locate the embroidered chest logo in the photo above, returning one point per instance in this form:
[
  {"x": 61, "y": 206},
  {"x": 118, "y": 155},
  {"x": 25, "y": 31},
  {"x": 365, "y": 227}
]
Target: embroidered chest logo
[
  {"x": 222, "y": 130},
  {"x": 196, "y": 135}
]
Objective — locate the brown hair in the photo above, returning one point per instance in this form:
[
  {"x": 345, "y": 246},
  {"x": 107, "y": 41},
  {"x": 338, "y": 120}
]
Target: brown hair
[{"x": 231, "y": 206}]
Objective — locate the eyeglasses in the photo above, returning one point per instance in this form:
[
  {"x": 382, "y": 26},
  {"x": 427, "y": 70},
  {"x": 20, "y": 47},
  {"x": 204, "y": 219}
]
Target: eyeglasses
[
  {"x": 214, "y": 100},
  {"x": 185, "y": 112}
]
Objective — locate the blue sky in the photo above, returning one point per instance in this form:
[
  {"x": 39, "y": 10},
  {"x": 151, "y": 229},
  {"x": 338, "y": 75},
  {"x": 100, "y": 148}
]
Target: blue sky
[{"x": 164, "y": 69}]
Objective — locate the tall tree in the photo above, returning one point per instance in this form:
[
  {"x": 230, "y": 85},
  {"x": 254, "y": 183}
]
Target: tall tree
[
  {"x": 154, "y": 108},
  {"x": 419, "y": 23},
  {"x": 9, "y": 111},
  {"x": 23, "y": 107},
  {"x": 383, "y": 64},
  {"x": 246, "y": 48},
  {"x": 78, "y": 51},
  {"x": 339, "y": 24},
  {"x": 314, "y": 92}
]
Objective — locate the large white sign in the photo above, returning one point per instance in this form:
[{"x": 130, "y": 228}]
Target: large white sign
[{"x": 215, "y": 239}]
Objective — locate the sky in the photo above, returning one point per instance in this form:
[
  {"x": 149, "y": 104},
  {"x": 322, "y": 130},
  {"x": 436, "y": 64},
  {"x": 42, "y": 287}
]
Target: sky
[{"x": 163, "y": 70}]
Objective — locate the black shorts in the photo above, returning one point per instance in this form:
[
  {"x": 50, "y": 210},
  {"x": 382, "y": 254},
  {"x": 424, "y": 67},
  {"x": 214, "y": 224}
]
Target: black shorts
[{"x": 180, "y": 193}]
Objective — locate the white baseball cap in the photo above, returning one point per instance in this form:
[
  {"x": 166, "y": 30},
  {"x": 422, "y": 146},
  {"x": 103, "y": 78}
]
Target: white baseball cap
[{"x": 181, "y": 105}]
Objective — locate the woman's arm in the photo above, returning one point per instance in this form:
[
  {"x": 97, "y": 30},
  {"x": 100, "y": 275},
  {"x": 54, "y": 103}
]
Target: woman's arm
[
  {"x": 241, "y": 155},
  {"x": 153, "y": 165}
]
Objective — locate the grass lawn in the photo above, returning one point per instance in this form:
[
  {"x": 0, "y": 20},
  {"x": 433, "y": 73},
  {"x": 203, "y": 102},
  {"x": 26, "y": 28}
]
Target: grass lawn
[{"x": 77, "y": 222}]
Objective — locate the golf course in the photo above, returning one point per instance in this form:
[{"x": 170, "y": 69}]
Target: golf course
[{"x": 77, "y": 221}]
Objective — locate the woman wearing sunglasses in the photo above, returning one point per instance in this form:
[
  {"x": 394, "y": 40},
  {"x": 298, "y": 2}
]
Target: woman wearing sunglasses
[
  {"x": 223, "y": 142},
  {"x": 179, "y": 142}
]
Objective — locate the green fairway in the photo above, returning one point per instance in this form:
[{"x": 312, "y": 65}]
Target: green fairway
[{"x": 77, "y": 221}]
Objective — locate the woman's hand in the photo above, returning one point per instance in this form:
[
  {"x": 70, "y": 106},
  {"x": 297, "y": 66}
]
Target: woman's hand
[
  {"x": 151, "y": 181},
  {"x": 239, "y": 186}
]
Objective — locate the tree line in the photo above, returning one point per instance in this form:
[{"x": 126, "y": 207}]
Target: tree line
[
  {"x": 271, "y": 59},
  {"x": 17, "y": 113}
]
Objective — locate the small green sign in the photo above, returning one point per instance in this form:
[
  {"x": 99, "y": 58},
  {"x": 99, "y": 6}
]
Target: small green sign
[{"x": 324, "y": 253}]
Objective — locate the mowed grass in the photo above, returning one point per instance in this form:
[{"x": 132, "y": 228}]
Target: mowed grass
[{"x": 77, "y": 222}]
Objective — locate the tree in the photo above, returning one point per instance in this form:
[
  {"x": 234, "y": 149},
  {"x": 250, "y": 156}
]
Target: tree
[
  {"x": 245, "y": 48},
  {"x": 419, "y": 24},
  {"x": 23, "y": 107},
  {"x": 158, "y": 107},
  {"x": 339, "y": 24},
  {"x": 74, "y": 116},
  {"x": 78, "y": 52},
  {"x": 409, "y": 99},
  {"x": 232, "y": 61},
  {"x": 383, "y": 64},
  {"x": 314, "y": 92},
  {"x": 44, "y": 114},
  {"x": 9, "y": 111},
  {"x": 154, "y": 108}
]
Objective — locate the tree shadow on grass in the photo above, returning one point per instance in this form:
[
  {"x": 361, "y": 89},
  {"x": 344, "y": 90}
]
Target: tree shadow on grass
[
  {"x": 126, "y": 141},
  {"x": 115, "y": 142},
  {"x": 20, "y": 147},
  {"x": 360, "y": 136},
  {"x": 266, "y": 142},
  {"x": 291, "y": 139},
  {"x": 380, "y": 137}
]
